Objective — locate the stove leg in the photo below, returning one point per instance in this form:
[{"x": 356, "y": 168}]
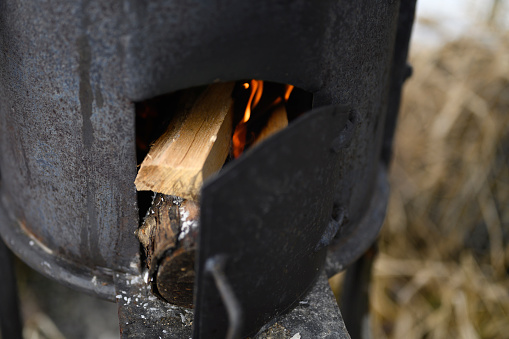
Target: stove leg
[
  {"x": 355, "y": 296},
  {"x": 10, "y": 321}
]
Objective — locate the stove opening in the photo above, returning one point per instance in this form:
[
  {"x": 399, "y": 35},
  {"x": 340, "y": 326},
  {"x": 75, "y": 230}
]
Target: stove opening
[
  {"x": 184, "y": 137},
  {"x": 260, "y": 109}
]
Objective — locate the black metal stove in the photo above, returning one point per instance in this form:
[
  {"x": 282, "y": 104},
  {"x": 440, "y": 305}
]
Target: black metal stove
[{"x": 312, "y": 198}]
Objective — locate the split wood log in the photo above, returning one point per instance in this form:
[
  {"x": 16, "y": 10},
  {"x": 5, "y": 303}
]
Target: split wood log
[
  {"x": 169, "y": 234},
  {"x": 194, "y": 147},
  {"x": 276, "y": 122}
]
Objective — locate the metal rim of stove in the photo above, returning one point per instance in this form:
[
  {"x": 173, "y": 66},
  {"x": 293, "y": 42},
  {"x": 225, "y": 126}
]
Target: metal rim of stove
[{"x": 100, "y": 282}]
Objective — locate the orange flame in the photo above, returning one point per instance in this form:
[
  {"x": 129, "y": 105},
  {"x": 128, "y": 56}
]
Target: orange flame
[
  {"x": 256, "y": 87},
  {"x": 288, "y": 91},
  {"x": 256, "y": 93}
]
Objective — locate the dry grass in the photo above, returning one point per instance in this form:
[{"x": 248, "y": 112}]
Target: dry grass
[{"x": 444, "y": 255}]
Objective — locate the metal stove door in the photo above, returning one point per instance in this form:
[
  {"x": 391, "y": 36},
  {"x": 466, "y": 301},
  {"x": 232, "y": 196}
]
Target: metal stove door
[{"x": 265, "y": 224}]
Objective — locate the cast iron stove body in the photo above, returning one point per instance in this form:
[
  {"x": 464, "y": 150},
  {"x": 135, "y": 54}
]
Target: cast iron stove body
[{"x": 311, "y": 197}]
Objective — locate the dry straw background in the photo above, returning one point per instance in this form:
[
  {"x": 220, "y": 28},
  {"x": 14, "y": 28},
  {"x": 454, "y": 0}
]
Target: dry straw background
[{"x": 443, "y": 266}]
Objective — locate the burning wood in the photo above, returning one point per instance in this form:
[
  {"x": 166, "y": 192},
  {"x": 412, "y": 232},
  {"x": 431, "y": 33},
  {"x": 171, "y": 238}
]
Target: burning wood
[
  {"x": 194, "y": 147},
  {"x": 264, "y": 115},
  {"x": 276, "y": 122}
]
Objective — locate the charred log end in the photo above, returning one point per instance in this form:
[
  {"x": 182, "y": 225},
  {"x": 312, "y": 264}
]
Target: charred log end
[
  {"x": 175, "y": 278},
  {"x": 168, "y": 236}
]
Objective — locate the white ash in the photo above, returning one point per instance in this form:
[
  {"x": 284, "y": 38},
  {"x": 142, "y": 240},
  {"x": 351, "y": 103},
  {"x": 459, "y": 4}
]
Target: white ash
[
  {"x": 136, "y": 279},
  {"x": 187, "y": 225},
  {"x": 177, "y": 200}
]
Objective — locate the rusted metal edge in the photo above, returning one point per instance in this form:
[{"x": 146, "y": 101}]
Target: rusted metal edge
[
  {"x": 316, "y": 316},
  {"x": 142, "y": 315},
  {"x": 95, "y": 282},
  {"x": 347, "y": 249}
]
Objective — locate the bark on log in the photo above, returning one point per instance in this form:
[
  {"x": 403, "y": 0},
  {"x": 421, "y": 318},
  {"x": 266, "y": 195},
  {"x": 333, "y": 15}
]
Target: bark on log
[{"x": 168, "y": 235}]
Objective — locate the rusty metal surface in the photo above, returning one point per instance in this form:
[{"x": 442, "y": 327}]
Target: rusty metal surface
[
  {"x": 264, "y": 216},
  {"x": 316, "y": 316},
  {"x": 142, "y": 315},
  {"x": 350, "y": 244},
  {"x": 67, "y": 155},
  {"x": 37, "y": 255},
  {"x": 70, "y": 70},
  {"x": 348, "y": 247}
]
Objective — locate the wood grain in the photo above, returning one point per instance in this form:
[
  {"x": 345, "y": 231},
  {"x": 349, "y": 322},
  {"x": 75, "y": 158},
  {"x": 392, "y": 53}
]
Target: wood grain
[{"x": 194, "y": 146}]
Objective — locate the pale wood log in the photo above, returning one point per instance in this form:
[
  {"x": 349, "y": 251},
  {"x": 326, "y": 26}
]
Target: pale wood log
[
  {"x": 276, "y": 122},
  {"x": 194, "y": 147}
]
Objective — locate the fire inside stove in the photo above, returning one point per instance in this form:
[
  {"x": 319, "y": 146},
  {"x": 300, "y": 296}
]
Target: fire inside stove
[
  {"x": 184, "y": 138},
  {"x": 267, "y": 120}
]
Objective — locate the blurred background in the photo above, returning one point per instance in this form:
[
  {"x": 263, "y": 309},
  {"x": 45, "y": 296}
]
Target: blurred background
[{"x": 442, "y": 267}]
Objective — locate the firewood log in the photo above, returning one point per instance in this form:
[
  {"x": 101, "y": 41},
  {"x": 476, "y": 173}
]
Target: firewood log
[
  {"x": 194, "y": 147},
  {"x": 276, "y": 122},
  {"x": 168, "y": 235}
]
